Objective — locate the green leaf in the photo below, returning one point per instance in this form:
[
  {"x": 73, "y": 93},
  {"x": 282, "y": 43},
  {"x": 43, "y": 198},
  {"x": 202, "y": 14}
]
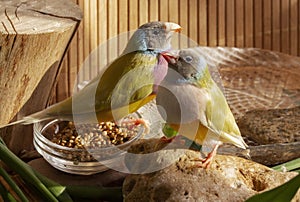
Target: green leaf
[
  {"x": 12, "y": 184},
  {"x": 6, "y": 196},
  {"x": 61, "y": 192},
  {"x": 58, "y": 190},
  {"x": 25, "y": 172},
  {"x": 283, "y": 193},
  {"x": 2, "y": 141},
  {"x": 48, "y": 188},
  {"x": 298, "y": 170},
  {"x": 289, "y": 166}
]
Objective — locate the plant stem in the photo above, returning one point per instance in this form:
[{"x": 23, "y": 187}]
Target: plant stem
[
  {"x": 6, "y": 196},
  {"x": 25, "y": 172},
  {"x": 289, "y": 166},
  {"x": 89, "y": 192},
  {"x": 13, "y": 185},
  {"x": 284, "y": 192},
  {"x": 53, "y": 189},
  {"x": 57, "y": 189}
]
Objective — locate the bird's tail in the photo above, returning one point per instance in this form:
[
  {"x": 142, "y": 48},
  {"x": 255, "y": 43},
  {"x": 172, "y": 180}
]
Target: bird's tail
[
  {"x": 234, "y": 139},
  {"x": 33, "y": 118},
  {"x": 238, "y": 141}
]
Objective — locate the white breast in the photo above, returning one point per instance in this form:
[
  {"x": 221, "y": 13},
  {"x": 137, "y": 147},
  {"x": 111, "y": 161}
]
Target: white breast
[{"x": 182, "y": 103}]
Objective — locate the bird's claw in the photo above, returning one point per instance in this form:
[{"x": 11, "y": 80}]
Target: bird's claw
[
  {"x": 206, "y": 162},
  {"x": 175, "y": 139}
]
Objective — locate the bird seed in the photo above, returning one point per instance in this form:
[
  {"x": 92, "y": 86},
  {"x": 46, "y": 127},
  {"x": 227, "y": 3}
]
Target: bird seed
[{"x": 92, "y": 136}]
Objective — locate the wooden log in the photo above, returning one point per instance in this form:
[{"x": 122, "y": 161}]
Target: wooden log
[{"x": 34, "y": 36}]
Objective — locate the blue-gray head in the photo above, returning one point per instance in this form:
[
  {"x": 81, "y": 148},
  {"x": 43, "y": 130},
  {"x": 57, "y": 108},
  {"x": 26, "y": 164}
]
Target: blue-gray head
[
  {"x": 189, "y": 64},
  {"x": 152, "y": 36}
]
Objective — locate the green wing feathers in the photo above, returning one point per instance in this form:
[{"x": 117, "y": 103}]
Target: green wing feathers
[
  {"x": 124, "y": 80},
  {"x": 116, "y": 87},
  {"x": 220, "y": 119},
  {"x": 97, "y": 95}
]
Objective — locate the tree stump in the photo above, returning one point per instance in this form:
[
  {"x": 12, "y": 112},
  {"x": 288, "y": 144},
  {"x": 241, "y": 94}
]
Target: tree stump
[{"x": 34, "y": 36}]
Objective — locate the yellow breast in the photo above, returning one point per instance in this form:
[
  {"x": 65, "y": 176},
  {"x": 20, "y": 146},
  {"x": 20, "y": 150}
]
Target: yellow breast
[{"x": 194, "y": 131}]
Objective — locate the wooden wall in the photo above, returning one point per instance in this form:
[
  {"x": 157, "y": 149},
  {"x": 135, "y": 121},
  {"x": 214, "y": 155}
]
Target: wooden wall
[{"x": 268, "y": 24}]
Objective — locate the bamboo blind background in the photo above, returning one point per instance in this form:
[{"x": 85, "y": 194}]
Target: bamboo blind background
[{"x": 268, "y": 24}]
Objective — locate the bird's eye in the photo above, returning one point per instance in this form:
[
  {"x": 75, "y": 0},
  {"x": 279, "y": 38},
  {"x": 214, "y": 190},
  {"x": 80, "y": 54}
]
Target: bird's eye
[
  {"x": 188, "y": 59},
  {"x": 194, "y": 75}
]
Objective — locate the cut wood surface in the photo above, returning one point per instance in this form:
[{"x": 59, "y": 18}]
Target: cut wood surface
[{"x": 34, "y": 37}]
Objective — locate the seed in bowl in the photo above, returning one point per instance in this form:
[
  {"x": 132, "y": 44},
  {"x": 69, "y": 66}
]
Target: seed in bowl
[{"x": 90, "y": 136}]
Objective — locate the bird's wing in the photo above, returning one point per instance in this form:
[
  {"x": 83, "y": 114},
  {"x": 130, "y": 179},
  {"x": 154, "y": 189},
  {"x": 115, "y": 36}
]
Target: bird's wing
[
  {"x": 219, "y": 118},
  {"x": 96, "y": 97},
  {"x": 126, "y": 84}
]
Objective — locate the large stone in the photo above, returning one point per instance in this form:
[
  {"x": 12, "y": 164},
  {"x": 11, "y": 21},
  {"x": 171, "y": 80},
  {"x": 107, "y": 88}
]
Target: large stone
[
  {"x": 273, "y": 135},
  {"x": 271, "y": 126},
  {"x": 229, "y": 178}
]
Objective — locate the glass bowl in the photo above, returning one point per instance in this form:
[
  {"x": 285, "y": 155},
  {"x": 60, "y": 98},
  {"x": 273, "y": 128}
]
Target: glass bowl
[{"x": 82, "y": 161}]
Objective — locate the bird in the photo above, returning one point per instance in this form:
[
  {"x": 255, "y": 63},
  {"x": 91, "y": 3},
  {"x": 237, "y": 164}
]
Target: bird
[
  {"x": 193, "y": 105},
  {"x": 129, "y": 82}
]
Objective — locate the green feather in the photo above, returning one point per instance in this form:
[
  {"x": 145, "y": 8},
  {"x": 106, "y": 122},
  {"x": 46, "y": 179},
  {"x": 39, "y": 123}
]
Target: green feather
[
  {"x": 219, "y": 116},
  {"x": 138, "y": 63},
  {"x": 169, "y": 131},
  {"x": 101, "y": 88}
]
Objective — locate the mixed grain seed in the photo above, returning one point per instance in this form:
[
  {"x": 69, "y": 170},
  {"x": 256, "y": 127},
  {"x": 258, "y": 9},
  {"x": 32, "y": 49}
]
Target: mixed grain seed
[{"x": 92, "y": 136}]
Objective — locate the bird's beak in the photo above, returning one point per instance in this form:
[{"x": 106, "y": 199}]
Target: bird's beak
[
  {"x": 172, "y": 27},
  {"x": 171, "y": 56}
]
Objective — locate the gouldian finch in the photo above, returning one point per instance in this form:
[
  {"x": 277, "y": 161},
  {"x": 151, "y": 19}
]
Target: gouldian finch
[
  {"x": 128, "y": 83},
  {"x": 194, "y": 106}
]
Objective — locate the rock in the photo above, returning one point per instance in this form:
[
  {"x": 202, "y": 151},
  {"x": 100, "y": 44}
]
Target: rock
[
  {"x": 270, "y": 154},
  {"x": 146, "y": 156},
  {"x": 271, "y": 126},
  {"x": 273, "y": 135},
  {"x": 229, "y": 178}
]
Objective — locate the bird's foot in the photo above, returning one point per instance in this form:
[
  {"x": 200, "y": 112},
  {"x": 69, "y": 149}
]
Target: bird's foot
[
  {"x": 176, "y": 139},
  {"x": 177, "y": 142},
  {"x": 206, "y": 162},
  {"x": 166, "y": 139}
]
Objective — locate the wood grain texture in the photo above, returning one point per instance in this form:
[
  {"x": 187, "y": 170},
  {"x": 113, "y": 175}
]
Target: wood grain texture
[
  {"x": 163, "y": 10},
  {"x": 258, "y": 23},
  {"x": 249, "y": 23},
  {"x": 240, "y": 24},
  {"x": 230, "y": 23},
  {"x": 183, "y": 21},
  {"x": 267, "y": 24},
  {"x": 285, "y": 29},
  {"x": 212, "y": 23},
  {"x": 203, "y": 27},
  {"x": 221, "y": 22},
  {"x": 143, "y": 11},
  {"x": 153, "y": 10},
  {"x": 193, "y": 13},
  {"x": 34, "y": 37},
  {"x": 294, "y": 29}
]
